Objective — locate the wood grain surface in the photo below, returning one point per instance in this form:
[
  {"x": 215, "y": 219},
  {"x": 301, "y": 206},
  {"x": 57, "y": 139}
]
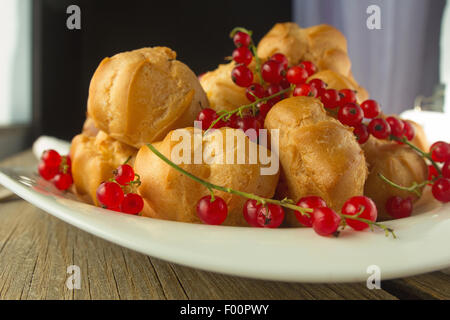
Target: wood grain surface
[{"x": 36, "y": 249}]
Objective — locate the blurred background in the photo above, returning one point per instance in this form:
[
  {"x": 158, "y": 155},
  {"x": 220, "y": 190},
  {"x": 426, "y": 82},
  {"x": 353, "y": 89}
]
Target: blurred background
[{"x": 45, "y": 68}]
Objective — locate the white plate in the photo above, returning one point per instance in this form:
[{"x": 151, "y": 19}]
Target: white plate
[{"x": 280, "y": 254}]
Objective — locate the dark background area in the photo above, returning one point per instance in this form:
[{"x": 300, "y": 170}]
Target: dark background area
[{"x": 64, "y": 60}]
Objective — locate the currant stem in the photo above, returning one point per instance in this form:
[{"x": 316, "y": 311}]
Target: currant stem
[
  {"x": 210, "y": 186},
  {"x": 413, "y": 188},
  {"x": 371, "y": 223},
  {"x": 228, "y": 114}
]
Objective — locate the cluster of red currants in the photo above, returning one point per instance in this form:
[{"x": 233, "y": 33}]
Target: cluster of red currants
[
  {"x": 115, "y": 194},
  {"x": 322, "y": 219},
  {"x": 440, "y": 152},
  {"x": 56, "y": 168}
]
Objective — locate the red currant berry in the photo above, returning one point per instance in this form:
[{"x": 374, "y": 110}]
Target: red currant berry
[
  {"x": 362, "y": 133},
  {"x": 272, "y": 90},
  {"x": 379, "y": 128},
  {"x": 297, "y": 75},
  {"x": 305, "y": 90},
  {"x": 351, "y": 114},
  {"x": 247, "y": 123},
  {"x": 309, "y": 67},
  {"x": 264, "y": 108},
  {"x": 399, "y": 208},
  {"x": 354, "y": 206},
  {"x": 408, "y": 130},
  {"x": 285, "y": 83},
  {"x": 212, "y": 212},
  {"x": 325, "y": 221},
  {"x": 232, "y": 122},
  {"x": 242, "y": 55},
  {"x": 67, "y": 161},
  {"x": 311, "y": 202},
  {"x": 272, "y": 72},
  {"x": 347, "y": 96},
  {"x": 110, "y": 194},
  {"x": 440, "y": 151},
  {"x": 132, "y": 203},
  {"x": 242, "y": 39},
  {"x": 242, "y": 76},
  {"x": 63, "y": 181},
  {"x": 441, "y": 190},
  {"x": 250, "y": 212},
  {"x": 317, "y": 83},
  {"x": 124, "y": 174},
  {"x": 445, "y": 169},
  {"x": 397, "y": 126},
  {"x": 207, "y": 117},
  {"x": 270, "y": 215},
  {"x": 371, "y": 109},
  {"x": 330, "y": 98},
  {"x": 47, "y": 172},
  {"x": 51, "y": 158},
  {"x": 280, "y": 58},
  {"x": 255, "y": 89}
]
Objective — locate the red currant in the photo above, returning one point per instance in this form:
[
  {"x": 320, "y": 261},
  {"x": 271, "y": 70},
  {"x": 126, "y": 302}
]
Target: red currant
[
  {"x": 347, "y": 96},
  {"x": 399, "y": 208},
  {"x": 207, "y": 117},
  {"x": 242, "y": 55},
  {"x": 110, "y": 194},
  {"x": 212, "y": 212},
  {"x": 231, "y": 123},
  {"x": 132, "y": 203},
  {"x": 445, "y": 169},
  {"x": 272, "y": 71},
  {"x": 397, "y": 126},
  {"x": 280, "y": 58},
  {"x": 351, "y": 114},
  {"x": 51, "y": 158},
  {"x": 440, "y": 151},
  {"x": 371, "y": 109},
  {"x": 441, "y": 190},
  {"x": 432, "y": 173},
  {"x": 317, "y": 83},
  {"x": 408, "y": 130},
  {"x": 242, "y": 76},
  {"x": 311, "y": 202},
  {"x": 270, "y": 215},
  {"x": 325, "y": 221},
  {"x": 247, "y": 123},
  {"x": 305, "y": 90},
  {"x": 242, "y": 39},
  {"x": 362, "y": 133},
  {"x": 285, "y": 83},
  {"x": 354, "y": 205},
  {"x": 264, "y": 108},
  {"x": 297, "y": 75},
  {"x": 379, "y": 128},
  {"x": 255, "y": 89},
  {"x": 274, "y": 89},
  {"x": 250, "y": 212},
  {"x": 330, "y": 98},
  {"x": 124, "y": 174},
  {"x": 309, "y": 67},
  {"x": 47, "y": 172},
  {"x": 63, "y": 181}
]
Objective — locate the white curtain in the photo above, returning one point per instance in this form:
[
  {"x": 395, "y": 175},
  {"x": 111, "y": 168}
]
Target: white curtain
[
  {"x": 15, "y": 61},
  {"x": 396, "y": 63}
]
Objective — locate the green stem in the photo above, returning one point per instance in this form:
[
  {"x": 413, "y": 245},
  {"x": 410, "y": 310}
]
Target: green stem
[
  {"x": 419, "y": 151},
  {"x": 387, "y": 230},
  {"x": 413, "y": 188},
  {"x": 227, "y": 114},
  {"x": 284, "y": 203}
]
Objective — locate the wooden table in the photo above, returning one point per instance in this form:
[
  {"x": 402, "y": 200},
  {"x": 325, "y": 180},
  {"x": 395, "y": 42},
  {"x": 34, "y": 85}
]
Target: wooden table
[{"x": 36, "y": 249}]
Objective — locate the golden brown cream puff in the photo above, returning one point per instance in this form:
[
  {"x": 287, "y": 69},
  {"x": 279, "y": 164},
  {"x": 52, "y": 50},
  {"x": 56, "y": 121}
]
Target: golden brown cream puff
[
  {"x": 170, "y": 195},
  {"x": 137, "y": 97},
  {"x": 94, "y": 158}
]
